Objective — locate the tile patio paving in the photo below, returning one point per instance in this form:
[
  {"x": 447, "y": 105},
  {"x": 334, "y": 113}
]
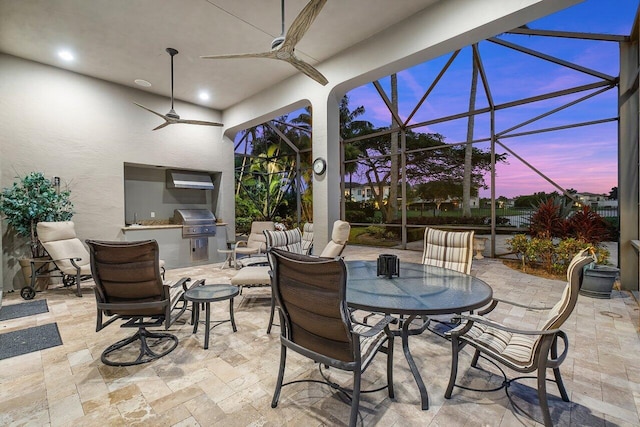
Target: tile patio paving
[{"x": 232, "y": 382}]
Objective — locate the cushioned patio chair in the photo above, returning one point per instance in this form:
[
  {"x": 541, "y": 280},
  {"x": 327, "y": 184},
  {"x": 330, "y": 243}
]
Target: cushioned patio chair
[
  {"x": 339, "y": 238},
  {"x": 315, "y": 322},
  {"x": 129, "y": 287},
  {"x": 307, "y": 238},
  {"x": 522, "y": 350},
  {"x": 251, "y": 276},
  {"x": 67, "y": 252},
  {"x": 255, "y": 243},
  {"x": 448, "y": 249}
]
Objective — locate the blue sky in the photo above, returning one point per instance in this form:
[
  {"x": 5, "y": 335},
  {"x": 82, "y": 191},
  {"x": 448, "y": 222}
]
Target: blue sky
[{"x": 581, "y": 158}]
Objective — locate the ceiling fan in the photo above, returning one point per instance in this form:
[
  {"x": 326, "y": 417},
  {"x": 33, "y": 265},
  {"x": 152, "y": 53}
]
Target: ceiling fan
[
  {"x": 282, "y": 47},
  {"x": 172, "y": 117}
]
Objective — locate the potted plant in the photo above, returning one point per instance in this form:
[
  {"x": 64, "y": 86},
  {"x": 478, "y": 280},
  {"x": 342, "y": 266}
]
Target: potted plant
[{"x": 31, "y": 199}]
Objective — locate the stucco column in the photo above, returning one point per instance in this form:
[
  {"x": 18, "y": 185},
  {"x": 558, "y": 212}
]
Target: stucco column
[
  {"x": 326, "y": 187},
  {"x": 628, "y": 160}
]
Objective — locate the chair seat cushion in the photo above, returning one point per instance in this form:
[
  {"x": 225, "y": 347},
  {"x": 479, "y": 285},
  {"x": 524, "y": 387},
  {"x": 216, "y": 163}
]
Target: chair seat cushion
[
  {"x": 515, "y": 348},
  {"x": 254, "y": 261},
  {"x": 252, "y": 276},
  {"x": 247, "y": 250},
  {"x": 368, "y": 345}
]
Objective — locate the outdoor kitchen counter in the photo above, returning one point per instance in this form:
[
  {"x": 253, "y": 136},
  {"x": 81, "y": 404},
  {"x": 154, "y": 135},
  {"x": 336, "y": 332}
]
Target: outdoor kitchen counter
[
  {"x": 149, "y": 227},
  {"x": 158, "y": 226},
  {"x": 175, "y": 250}
]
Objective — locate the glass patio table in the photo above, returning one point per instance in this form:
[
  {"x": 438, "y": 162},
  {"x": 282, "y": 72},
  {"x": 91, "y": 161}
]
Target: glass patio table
[{"x": 419, "y": 290}]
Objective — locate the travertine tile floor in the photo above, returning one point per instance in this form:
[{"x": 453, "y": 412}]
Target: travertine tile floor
[{"x": 232, "y": 382}]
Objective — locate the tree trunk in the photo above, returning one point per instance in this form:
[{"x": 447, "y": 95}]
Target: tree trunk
[{"x": 466, "y": 183}]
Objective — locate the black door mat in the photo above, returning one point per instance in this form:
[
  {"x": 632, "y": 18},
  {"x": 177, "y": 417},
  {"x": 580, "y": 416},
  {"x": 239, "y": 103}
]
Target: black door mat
[
  {"x": 25, "y": 309},
  {"x": 28, "y": 340}
]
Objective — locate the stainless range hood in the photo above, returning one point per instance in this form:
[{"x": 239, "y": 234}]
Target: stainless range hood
[{"x": 189, "y": 179}]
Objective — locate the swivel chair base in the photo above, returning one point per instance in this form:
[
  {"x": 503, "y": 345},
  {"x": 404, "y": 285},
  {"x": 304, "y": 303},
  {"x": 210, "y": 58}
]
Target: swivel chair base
[{"x": 164, "y": 341}]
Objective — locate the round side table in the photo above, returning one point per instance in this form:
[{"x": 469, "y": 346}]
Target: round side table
[{"x": 206, "y": 295}]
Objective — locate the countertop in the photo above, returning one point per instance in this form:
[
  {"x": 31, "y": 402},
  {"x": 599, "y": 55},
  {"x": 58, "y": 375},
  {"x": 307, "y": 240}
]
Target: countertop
[{"x": 158, "y": 226}]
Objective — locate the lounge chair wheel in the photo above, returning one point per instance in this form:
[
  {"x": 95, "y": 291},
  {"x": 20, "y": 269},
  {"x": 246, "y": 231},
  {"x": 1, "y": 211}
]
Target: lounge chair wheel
[
  {"x": 68, "y": 280},
  {"x": 27, "y": 292}
]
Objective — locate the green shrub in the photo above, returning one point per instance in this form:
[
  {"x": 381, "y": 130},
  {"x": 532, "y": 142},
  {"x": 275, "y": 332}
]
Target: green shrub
[
  {"x": 243, "y": 225},
  {"x": 553, "y": 257},
  {"x": 355, "y": 216},
  {"x": 376, "y": 231}
]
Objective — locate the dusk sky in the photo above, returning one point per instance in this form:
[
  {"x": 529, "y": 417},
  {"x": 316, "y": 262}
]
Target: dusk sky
[{"x": 582, "y": 158}]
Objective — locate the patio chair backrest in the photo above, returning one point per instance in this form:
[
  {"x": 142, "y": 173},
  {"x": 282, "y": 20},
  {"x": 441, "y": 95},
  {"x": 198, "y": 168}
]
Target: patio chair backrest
[
  {"x": 311, "y": 292},
  {"x": 339, "y": 238},
  {"x": 129, "y": 272},
  {"x": 307, "y": 238},
  {"x": 256, "y": 237},
  {"x": 448, "y": 249},
  {"x": 288, "y": 240},
  {"x": 563, "y": 308},
  {"x": 61, "y": 243}
]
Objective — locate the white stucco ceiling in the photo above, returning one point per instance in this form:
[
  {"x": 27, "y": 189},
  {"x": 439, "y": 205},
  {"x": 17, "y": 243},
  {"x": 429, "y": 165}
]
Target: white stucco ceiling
[{"x": 124, "y": 40}]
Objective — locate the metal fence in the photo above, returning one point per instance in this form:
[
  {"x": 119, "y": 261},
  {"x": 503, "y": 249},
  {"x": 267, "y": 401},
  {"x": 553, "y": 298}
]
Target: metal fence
[{"x": 519, "y": 218}]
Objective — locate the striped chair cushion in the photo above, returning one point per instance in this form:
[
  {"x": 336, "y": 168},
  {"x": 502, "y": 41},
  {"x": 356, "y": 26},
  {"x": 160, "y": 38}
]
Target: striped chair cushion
[
  {"x": 288, "y": 240},
  {"x": 516, "y": 348},
  {"x": 307, "y": 238},
  {"x": 368, "y": 345},
  {"x": 520, "y": 349},
  {"x": 448, "y": 249}
]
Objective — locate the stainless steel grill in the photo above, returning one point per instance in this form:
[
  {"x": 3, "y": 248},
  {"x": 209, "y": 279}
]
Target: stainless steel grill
[
  {"x": 197, "y": 226},
  {"x": 195, "y": 222}
]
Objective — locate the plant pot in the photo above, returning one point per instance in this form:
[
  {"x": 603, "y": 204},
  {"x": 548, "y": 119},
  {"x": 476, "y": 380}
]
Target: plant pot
[
  {"x": 479, "y": 244},
  {"x": 43, "y": 280},
  {"x": 598, "y": 281}
]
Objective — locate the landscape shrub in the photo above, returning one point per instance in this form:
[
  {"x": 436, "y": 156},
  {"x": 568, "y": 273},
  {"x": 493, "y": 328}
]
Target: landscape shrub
[
  {"x": 376, "y": 231},
  {"x": 553, "y": 255}
]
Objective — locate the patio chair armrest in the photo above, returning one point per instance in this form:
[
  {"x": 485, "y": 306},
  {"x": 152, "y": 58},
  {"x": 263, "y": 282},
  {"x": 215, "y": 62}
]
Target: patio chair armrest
[
  {"x": 478, "y": 319},
  {"x": 197, "y": 283},
  {"x": 73, "y": 262},
  {"x": 241, "y": 243},
  {"x": 182, "y": 282},
  {"x": 557, "y": 361},
  {"x": 72, "y": 259},
  {"x": 375, "y": 329}
]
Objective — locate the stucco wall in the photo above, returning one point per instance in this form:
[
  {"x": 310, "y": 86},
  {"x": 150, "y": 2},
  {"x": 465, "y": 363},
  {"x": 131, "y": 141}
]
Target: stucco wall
[{"x": 83, "y": 130}]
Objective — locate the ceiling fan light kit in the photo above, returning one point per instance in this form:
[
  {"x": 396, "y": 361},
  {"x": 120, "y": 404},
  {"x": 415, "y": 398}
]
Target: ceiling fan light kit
[
  {"x": 283, "y": 46},
  {"x": 172, "y": 117}
]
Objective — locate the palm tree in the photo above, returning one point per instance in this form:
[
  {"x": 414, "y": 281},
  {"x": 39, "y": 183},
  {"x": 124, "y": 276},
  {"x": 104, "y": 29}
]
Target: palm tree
[
  {"x": 350, "y": 128},
  {"x": 468, "y": 152}
]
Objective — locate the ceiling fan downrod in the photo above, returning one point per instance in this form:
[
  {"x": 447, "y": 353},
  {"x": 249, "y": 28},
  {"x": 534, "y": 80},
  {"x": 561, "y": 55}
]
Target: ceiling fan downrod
[
  {"x": 172, "y": 113},
  {"x": 280, "y": 39}
]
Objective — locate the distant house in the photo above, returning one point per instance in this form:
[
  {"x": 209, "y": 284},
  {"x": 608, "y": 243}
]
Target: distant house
[
  {"x": 596, "y": 200},
  {"x": 590, "y": 198},
  {"x": 504, "y": 203},
  {"x": 363, "y": 192}
]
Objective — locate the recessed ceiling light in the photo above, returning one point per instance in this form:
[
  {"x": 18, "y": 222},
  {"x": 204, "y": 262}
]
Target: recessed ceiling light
[
  {"x": 204, "y": 96},
  {"x": 141, "y": 82},
  {"x": 66, "y": 55}
]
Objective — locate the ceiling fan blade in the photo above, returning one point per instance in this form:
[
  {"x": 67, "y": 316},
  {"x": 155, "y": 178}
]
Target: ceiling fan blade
[
  {"x": 301, "y": 24},
  {"x": 198, "y": 122},
  {"x": 241, "y": 55},
  {"x": 151, "y": 111},
  {"x": 172, "y": 117},
  {"x": 161, "y": 126},
  {"x": 308, "y": 70}
]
